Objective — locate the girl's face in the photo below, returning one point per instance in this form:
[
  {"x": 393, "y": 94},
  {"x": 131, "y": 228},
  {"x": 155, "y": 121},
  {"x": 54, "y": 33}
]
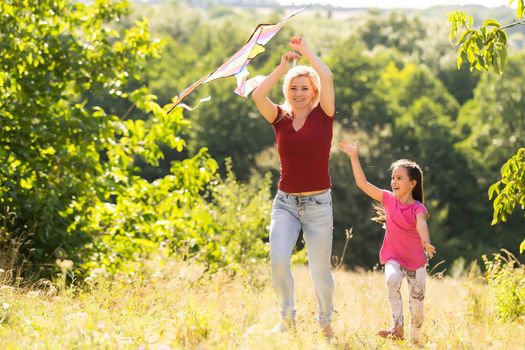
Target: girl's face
[
  {"x": 401, "y": 183},
  {"x": 300, "y": 93}
]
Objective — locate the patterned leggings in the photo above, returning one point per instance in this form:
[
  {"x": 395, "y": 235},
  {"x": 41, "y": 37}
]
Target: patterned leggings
[{"x": 394, "y": 274}]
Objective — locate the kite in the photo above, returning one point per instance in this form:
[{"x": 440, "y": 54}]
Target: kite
[{"x": 237, "y": 65}]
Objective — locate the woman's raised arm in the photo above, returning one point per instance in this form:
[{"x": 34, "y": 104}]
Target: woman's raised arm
[
  {"x": 327, "y": 96},
  {"x": 260, "y": 95}
]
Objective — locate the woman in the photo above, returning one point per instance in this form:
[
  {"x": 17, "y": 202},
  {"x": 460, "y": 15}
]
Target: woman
[{"x": 303, "y": 131}]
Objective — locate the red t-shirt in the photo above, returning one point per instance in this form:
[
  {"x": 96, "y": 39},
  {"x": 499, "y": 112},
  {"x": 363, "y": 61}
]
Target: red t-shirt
[
  {"x": 304, "y": 153},
  {"x": 402, "y": 243}
]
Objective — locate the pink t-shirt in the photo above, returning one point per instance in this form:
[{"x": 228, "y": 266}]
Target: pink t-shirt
[{"x": 402, "y": 243}]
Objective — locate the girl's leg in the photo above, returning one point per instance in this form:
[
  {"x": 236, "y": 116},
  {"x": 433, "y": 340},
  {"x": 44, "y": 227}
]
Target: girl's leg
[
  {"x": 284, "y": 231},
  {"x": 416, "y": 289},
  {"x": 394, "y": 277},
  {"x": 317, "y": 221}
]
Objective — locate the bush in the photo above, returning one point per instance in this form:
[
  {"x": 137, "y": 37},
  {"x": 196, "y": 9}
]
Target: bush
[
  {"x": 220, "y": 223},
  {"x": 506, "y": 281},
  {"x": 234, "y": 222}
]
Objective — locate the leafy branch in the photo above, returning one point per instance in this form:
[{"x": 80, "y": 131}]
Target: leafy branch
[{"x": 484, "y": 47}]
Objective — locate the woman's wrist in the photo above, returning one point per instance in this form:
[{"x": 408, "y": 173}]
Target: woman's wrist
[{"x": 282, "y": 68}]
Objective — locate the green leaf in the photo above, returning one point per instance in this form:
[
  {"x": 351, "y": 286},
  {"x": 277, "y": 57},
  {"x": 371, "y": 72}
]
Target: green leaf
[
  {"x": 459, "y": 61},
  {"x": 470, "y": 53},
  {"x": 503, "y": 57},
  {"x": 494, "y": 188},
  {"x": 496, "y": 63},
  {"x": 502, "y": 36},
  {"x": 464, "y": 36},
  {"x": 522, "y": 247},
  {"x": 491, "y": 22}
]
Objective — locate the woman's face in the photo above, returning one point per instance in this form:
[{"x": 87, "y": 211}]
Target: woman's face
[{"x": 300, "y": 93}]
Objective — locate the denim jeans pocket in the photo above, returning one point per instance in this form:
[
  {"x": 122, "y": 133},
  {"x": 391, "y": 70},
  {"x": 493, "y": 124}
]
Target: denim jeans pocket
[
  {"x": 323, "y": 199},
  {"x": 322, "y": 202}
]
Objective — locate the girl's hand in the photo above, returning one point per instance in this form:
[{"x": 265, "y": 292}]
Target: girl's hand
[
  {"x": 429, "y": 249},
  {"x": 298, "y": 44},
  {"x": 289, "y": 57},
  {"x": 352, "y": 150}
]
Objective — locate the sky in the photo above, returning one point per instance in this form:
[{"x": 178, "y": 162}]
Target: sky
[{"x": 420, "y": 4}]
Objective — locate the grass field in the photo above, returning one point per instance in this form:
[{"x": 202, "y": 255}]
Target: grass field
[{"x": 173, "y": 305}]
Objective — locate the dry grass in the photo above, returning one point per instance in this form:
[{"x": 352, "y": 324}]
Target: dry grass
[{"x": 174, "y": 305}]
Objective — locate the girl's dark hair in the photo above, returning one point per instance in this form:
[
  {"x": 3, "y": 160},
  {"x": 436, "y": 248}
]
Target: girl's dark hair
[{"x": 414, "y": 173}]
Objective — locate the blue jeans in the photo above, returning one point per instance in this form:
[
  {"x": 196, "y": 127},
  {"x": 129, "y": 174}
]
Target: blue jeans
[{"x": 313, "y": 214}]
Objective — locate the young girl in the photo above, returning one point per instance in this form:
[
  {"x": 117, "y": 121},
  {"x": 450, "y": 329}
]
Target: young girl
[{"x": 406, "y": 238}]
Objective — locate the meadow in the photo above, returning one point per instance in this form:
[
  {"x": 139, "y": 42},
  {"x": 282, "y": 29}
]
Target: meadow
[
  {"x": 95, "y": 174},
  {"x": 168, "y": 304}
]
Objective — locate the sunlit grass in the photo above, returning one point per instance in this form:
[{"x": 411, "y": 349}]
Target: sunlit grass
[{"x": 174, "y": 305}]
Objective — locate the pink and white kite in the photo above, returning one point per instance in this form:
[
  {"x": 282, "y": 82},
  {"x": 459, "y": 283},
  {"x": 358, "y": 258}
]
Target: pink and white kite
[{"x": 237, "y": 65}]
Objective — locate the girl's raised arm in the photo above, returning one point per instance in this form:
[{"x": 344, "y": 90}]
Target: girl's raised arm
[
  {"x": 327, "y": 96},
  {"x": 352, "y": 150},
  {"x": 260, "y": 95}
]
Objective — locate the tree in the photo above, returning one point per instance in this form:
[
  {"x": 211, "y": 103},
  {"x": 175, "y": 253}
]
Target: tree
[
  {"x": 486, "y": 48},
  {"x": 358, "y": 99},
  {"x": 64, "y": 161},
  {"x": 406, "y": 34}
]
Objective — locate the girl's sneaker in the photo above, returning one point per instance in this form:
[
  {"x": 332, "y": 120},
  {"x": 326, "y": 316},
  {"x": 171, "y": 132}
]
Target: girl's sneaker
[{"x": 395, "y": 333}]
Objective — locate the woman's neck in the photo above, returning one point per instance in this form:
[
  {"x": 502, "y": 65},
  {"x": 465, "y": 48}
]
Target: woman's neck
[{"x": 301, "y": 114}]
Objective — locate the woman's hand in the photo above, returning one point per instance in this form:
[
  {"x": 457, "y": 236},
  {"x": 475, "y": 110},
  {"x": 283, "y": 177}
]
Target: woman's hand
[
  {"x": 289, "y": 56},
  {"x": 352, "y": 150},
  {"x": 299, "y": 44}
]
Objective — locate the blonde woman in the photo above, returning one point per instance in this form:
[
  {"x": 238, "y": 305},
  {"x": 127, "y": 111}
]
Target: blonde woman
[{"x": 303, "y": 131}]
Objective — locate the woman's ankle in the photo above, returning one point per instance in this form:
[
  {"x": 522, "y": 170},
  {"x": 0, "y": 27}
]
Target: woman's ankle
[
  {"x": 327, "y": 330},
  {"x": 284, "y": 325}
]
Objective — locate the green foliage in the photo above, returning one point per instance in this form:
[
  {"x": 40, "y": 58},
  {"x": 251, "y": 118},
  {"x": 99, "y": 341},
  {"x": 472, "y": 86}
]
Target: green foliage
[
  {"x": 397, "y": 30},
  {"x": 406, "y": 85},
  {"x": 460, "y": 83},
  {"x": 493, "y": 126},
  {"x": 144, "y": 216},
  {"x": 359, "y": 101},
  {"x": 510, "y": 190},
  {"x": 226, "y": 230},
  {"x": 520, "y": 11},
  {"x": 506, "y": 281},
  {"x": 52, "y": 143},
  {"x": 485, "y": 47},
  {"x": 234, "y": 222},
  {"x": 68, "y": 171}
]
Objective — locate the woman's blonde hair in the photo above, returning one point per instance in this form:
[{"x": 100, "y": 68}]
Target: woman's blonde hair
[{"x": 300, "y": 71}]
